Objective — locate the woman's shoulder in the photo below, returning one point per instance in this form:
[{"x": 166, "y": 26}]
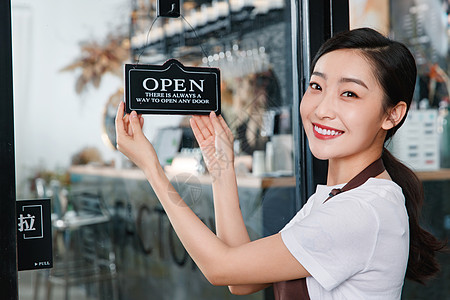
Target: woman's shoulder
[
  {"x": 382, "y": 189},
  {"x": 384, "y": 199},
  {"x": 374, "y": 197},
  {"x": 368, "y": 200}
]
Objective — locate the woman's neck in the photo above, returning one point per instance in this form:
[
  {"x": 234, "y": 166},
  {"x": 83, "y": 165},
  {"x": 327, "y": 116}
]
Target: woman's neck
[{"x": 342, "y": 170}]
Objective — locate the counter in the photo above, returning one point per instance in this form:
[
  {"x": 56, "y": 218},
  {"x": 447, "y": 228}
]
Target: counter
[{"x": 151, "y": 262}]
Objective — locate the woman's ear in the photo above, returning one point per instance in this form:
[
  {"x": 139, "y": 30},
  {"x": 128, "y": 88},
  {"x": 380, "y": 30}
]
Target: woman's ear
[{"x": 395, "y": 115}]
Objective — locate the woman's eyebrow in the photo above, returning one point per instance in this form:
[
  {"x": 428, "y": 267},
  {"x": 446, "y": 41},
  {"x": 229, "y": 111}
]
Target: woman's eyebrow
[
  {"x": 357, "y": 81},
  {"x": 342, "y": 80},
  {"x": 319, "y": 74}
]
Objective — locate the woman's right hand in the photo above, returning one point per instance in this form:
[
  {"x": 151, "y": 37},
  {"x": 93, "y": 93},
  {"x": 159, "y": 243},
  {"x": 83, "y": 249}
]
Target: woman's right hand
[
  {"x": 216, "y": 142},
  {"x": 131, "y": 141}
]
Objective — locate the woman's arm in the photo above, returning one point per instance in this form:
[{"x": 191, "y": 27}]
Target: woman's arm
[
  {"x": 216, "y": 142},
  {"x": 262, "y": 261}
]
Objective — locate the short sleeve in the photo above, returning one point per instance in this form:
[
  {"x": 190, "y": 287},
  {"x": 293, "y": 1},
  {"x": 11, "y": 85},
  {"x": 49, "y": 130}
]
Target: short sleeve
[{"x": 335, "y": 241}]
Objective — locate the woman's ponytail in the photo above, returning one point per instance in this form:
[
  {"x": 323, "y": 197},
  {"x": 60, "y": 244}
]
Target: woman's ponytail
[{"x": 422, "y": 263}]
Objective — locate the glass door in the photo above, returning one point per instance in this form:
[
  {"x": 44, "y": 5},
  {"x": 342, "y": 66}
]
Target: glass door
[{"x": 111, "y": 238}]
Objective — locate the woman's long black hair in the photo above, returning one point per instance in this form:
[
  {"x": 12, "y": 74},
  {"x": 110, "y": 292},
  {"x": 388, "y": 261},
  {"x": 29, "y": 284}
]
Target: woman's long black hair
[{"x": 395, "y": 69}]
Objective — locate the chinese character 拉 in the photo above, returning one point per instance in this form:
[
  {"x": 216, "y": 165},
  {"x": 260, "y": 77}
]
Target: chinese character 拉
[{"x": 26, "y": 223}]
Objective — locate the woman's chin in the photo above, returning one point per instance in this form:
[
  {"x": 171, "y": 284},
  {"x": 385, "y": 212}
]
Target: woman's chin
[
  {"x": 320, "y": 153},
  {"x": 321, "y": 157}
]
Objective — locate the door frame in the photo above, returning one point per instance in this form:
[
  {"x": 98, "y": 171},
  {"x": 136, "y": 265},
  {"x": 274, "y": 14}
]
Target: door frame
[
  {"x": 8, "y": 244},
  {"x": 314, "y": 23}
]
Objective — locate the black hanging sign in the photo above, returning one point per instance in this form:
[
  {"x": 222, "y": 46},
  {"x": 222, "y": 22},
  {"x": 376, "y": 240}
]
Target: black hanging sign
[
  {"x": 168, "y": 8},
  {"x": 172, "y": 89},
  {"x": 34, "y": 234}
]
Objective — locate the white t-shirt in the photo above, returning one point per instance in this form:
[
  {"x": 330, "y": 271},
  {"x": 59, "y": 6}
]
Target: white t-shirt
[{"x": 355, "y": 245}]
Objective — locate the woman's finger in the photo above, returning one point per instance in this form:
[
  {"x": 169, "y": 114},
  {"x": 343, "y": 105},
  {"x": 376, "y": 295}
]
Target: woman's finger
[
  {"x": 141, "y": 120},
  {"x": 204, "y": 126},
  {"x": 119, "y": 119},
  {"x": 197, "y": 132},
  {"x": 226, "y": 128},
  {"x": 126, "y": 124},
  {"x": 208, "y": 124},
  {"x": 135, "y": 124},
  {"x": 218, "y": 130}
]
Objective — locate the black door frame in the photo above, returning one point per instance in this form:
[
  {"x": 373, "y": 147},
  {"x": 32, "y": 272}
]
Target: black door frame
[
  {"x": 8, "y": 266},
  {"x": 315, "y": 22}
]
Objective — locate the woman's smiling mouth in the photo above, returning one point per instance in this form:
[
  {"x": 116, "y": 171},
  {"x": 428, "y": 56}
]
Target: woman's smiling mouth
[{"x": 325, "y": 133}]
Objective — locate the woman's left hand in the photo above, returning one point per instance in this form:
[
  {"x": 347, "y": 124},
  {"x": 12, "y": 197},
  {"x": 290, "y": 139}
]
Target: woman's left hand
[
  {"x": 131, "y": 141},
  {"x": 216, "y": 142}
]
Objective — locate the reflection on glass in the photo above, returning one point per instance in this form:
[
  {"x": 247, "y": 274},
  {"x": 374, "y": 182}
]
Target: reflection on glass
[{"x": 67, "y": 91}]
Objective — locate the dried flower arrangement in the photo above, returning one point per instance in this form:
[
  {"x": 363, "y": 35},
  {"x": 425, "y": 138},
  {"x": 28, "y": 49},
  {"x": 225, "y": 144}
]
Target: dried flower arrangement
[{"x": 97, "y": 60}]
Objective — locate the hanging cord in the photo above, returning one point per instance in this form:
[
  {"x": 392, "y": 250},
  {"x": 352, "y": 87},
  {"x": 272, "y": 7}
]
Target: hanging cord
[
  {"x": 146, "y": 40},
  {"x": 184, "y": 19},
  {"x": 197, "y": 37}
]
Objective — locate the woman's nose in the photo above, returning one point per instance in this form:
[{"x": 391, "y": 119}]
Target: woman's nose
[{"x": 325, "y": 107}]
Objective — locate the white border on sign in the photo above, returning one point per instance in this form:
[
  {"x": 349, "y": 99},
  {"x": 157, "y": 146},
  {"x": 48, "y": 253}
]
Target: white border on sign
[
  {"x": 42, "y": 224},
  {"x": 155, "y": 109}
]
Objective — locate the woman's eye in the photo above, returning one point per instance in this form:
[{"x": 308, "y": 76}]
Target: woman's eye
[
  {"x": 349, "y": 94},
  {"x": 315, "y": 86}
]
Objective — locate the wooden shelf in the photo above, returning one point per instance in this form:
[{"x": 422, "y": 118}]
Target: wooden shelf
[
  {"x": 442, "y": 174},
  {"x": 136, "y": 174},
  {"x": 234, "y": 25}
]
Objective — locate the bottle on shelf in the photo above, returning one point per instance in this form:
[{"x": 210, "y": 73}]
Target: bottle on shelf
[
  {"x": 241, "y": 11},
  {"x": 444, "y": 133}
]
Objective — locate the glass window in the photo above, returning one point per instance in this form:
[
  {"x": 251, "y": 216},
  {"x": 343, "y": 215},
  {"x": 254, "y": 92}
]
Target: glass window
[
  {"x": 112, "y": 240},
  {"x": 424, "y": 27}
]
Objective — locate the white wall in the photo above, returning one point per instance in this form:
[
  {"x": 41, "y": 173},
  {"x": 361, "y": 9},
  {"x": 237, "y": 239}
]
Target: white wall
[{"x": 52, "y": 121}]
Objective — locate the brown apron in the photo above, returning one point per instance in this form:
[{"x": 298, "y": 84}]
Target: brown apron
[{"x": 297, "y": 289}]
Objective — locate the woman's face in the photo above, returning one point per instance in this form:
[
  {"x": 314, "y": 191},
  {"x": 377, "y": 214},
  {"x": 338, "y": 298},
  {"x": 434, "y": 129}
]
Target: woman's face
[{"x": 342, "y": 109}]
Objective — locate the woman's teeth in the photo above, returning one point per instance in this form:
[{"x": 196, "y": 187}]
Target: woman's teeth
[{"x": 327, "y": 131}]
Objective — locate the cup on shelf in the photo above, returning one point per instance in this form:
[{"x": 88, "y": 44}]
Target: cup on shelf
[{"x": 259, "y": 163}]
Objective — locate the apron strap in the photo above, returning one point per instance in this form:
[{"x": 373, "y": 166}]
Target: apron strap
[
  {"x": 373, "y": 170},
  {"x": 291, "y": 290}
]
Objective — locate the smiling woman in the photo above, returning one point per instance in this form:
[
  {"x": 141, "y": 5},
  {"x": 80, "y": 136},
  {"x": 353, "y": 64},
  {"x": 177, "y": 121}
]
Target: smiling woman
[
  {"x": 388, "y": 72},
  {"x": 350, "y": 241}
]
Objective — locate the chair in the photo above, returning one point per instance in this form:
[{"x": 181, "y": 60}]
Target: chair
[{"x": 83, "y": 250}]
